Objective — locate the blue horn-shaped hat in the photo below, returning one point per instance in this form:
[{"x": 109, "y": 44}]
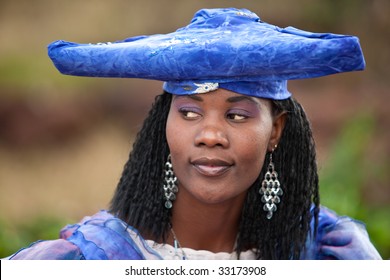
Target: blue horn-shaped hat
[{"x": 220, "y": 48}]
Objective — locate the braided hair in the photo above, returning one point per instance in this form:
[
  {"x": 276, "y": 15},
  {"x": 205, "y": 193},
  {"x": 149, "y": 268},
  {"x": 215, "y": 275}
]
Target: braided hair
[{"x": 138, "y": 199}]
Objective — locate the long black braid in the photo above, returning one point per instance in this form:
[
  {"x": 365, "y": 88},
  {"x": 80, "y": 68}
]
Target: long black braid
[
  {"x": 138, "y": 199},
  {"x": 284, "y": 236}
]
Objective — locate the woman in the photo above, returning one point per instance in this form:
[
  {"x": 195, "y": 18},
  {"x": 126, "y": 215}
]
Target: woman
[{"x": 224, "y": 166}]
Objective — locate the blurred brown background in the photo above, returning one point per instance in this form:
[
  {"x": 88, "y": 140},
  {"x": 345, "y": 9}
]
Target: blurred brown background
[{"x": 64, "y": 140}]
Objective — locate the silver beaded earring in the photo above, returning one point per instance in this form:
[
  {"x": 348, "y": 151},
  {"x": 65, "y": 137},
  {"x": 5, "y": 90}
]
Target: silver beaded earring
[
  {"x": 170, "y": 184},
  {"x": 270, "y": 189}
]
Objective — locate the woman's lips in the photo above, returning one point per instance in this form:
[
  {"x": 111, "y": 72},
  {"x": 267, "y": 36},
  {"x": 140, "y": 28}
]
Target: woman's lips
[{"x": 211, "y": 167}]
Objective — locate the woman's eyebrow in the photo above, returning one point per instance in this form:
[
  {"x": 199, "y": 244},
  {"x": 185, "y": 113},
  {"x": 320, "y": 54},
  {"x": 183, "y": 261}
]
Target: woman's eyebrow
[{"x": 191, "y": 96}]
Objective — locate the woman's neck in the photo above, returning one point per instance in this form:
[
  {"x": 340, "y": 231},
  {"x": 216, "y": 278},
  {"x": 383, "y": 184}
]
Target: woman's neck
[{"x": 202, "y": 226}]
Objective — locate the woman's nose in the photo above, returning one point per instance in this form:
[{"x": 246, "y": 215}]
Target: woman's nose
[{"x": 211, "y": 135}]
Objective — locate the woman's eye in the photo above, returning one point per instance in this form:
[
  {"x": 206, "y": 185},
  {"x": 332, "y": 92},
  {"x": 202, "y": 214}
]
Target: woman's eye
[
  {"x": 236, "y": 117},
  {"x": 189, "y": 114}
]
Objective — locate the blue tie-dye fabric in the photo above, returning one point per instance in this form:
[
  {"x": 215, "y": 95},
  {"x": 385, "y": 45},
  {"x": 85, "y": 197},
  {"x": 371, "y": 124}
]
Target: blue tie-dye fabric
[{"x": 339, "y": 238}]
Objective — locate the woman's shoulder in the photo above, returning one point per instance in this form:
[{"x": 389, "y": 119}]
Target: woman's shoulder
[
  {"x": 87, "y": 239},
  {"x": 339, "y": 237},
  {"x": 58, "y": 249},
  {"x": 91, "y": 235}
]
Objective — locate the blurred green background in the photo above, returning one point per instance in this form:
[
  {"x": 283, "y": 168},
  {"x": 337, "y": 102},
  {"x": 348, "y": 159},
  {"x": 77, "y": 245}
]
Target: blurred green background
[{"x": 64, "y": 140}]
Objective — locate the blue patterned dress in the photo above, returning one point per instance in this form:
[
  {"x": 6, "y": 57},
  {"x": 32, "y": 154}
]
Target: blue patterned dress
[{"x": 105, "y": 237}]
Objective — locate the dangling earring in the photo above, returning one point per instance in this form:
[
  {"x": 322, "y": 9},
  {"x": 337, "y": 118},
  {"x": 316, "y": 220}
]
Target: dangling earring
[
  {"x": 170, "y": 184},
  {"x": 270, "y": 189}
]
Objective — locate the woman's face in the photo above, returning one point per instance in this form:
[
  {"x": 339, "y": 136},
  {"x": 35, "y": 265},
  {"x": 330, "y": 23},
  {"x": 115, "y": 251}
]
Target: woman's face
[{"x": 218, "y": 142}]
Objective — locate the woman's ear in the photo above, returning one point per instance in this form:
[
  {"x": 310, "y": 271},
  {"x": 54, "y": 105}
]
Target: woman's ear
[{"x": 277, "y": 130}]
